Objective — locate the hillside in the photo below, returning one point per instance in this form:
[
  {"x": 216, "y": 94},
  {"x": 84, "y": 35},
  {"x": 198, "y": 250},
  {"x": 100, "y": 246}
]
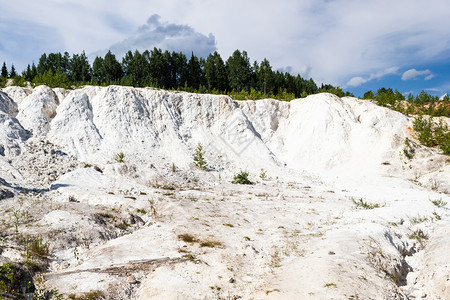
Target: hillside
[{"x": 341, "y": 211}]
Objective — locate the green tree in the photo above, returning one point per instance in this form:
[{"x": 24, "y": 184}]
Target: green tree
[
  {"x": 215, "y": 73},
  {"x": 111, "y": 69},
  {"x": 199, "y": 159},
  {"x": 13, "y": 73},
  {"x": 80, "y": 69},
  {"x": 42, "y": 64},
  {"x": 368, "y": 95},
  {"x": 4, "y": 70},
  {"x": 239, "y": 71},
  {"x": 194, "y": 72},
  {"x": 97, "y": 71},
  {"x": 265, "y": 77}
]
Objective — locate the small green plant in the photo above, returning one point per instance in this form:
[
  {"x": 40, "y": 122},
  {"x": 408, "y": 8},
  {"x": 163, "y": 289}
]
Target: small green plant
[
  {"x": 365, "y": 205},
  {"x": 76, "y": 254},
  {"x": 241, "y": 178},
  {"x": 329, "y": 285},
  {"x": 408, "y": 151},
  {"x": 119, "y": 157},
  {"x": 439, "y": 202},
  {"x": 437, "y": 216},
  {"x": 38, "y": 248},
  {"x": 174, "y": 168},
  {"x": 418, "y": 235},
  {"x": 418, "y": 219},
  {"x": 263, "y": 174},
  {"x": 199, "y": 159},
  {"x": 141, "y": 211}
]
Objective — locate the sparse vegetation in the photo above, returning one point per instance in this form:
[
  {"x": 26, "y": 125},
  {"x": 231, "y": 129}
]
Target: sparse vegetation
[
  {"x": 408, "y": 151},
  {"x": 418, "y": 235},
  {"x": 241, "y": 178},
  {"x": 199, "y": 159},
  {"x": 330, "y": 284},
  {"x": 439, "y": 202},
  {"x": 187, "y": 238},
  {"x": 431, "y": 133},
  {"x": 418, "y": 219},
  {"x": 365, "y": 205},
  {"x": 209, "y": 242},
  {"x": 119, "y": 157},
  {"x": 263, "y": 174}
]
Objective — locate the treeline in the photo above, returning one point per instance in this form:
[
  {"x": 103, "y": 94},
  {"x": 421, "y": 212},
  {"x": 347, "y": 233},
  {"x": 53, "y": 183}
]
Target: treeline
[
  {"x": 174, "y": 71},
  {"x": 422, "y": 104}
]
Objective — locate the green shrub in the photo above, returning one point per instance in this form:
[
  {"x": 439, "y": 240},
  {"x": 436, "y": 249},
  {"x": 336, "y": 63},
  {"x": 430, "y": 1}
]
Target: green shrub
[
  {"x": 199, "y": 160},
  {"x": 365, "y": 205},
  {"x": 119, "y": 157},
  {"x": 432, "y": 133},
  {"x": 241, "y": 178}
]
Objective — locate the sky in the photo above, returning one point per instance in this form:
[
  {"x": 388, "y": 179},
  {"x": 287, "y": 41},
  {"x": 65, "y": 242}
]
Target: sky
[{"x": 357, "y": 45}]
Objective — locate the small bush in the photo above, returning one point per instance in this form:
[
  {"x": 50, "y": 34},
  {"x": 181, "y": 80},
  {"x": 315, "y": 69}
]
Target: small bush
[
  {"x": 38, "y": 248},
  {"x": 408, "y": 150},
  {"x": 439, "y": 202},
  {"x": 263, "y": 174},
  {"x": 365, "y": 205},
  {"x": 241, "y": 178},
  {"x": 119, "y": 157},
  {"x": 199, "y": 160}
]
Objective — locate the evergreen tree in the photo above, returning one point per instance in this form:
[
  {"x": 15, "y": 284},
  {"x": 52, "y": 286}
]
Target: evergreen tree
[
  {"x": 194, "y": 72},
  {"x": 199, "y": 159},
  {"x": 13, "y": 73},
  {"x": 34, "y": 72},
  {"x": 27, "y": 75},
  {"x": 97, "y": 71},
  {"x": 4, "y": 70},
  {"x": 215, "y": 73},
  {"x": 239, "y": 71},
  {"x": 80, "y": 69},
  {"x": 42, "y": 65},
  {"x": 265, "y": 78},
  {"x": 158, "y": 68},
  {"x": 112, "y": 70}
]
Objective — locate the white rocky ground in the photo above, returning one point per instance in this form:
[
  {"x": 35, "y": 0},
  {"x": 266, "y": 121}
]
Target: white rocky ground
[{"x": 157, "y": 227}]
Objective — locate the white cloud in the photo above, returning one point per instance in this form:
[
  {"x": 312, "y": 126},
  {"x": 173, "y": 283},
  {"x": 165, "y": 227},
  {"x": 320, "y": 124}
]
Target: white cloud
[
  {"x": 382, "y": 73},
  {"x": 331, "y": 40},
  {"x": 356, "y": 81},
  {"x": 413, "y": 74}
]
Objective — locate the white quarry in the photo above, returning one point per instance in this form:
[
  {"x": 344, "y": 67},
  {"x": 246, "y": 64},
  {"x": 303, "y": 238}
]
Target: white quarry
[{"x": 336, "y": 211}]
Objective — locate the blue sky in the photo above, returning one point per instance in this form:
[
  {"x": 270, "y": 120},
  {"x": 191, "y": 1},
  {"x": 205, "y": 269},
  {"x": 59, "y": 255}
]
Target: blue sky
[{"x": 358, "y": 45}]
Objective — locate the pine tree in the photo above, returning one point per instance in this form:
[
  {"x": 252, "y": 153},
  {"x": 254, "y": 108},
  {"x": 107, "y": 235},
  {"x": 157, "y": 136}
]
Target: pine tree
[
  {"x": 13, "y": 73},
  {"x": 239, "y": 71},
  {"x": 112, "y": 69},
  {"x": 199, "y": 160},
  {"x": 4, "y": 70},
  {"x": 194, "y": 72}
]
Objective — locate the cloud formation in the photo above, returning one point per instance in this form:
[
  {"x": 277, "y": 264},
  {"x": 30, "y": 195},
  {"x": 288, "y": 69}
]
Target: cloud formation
[
  {"x": 358, "y": 80},
  {"x": 172, "y": 37},
  {"x": 331, "y": 41},
  {"x": 413, "y": 74}
]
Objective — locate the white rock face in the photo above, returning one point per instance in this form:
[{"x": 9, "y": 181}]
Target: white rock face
[
  {"x": 37, "y": 110},
  {"x": 341, "y": 213},
  {"x": 12, "y": 133}
]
